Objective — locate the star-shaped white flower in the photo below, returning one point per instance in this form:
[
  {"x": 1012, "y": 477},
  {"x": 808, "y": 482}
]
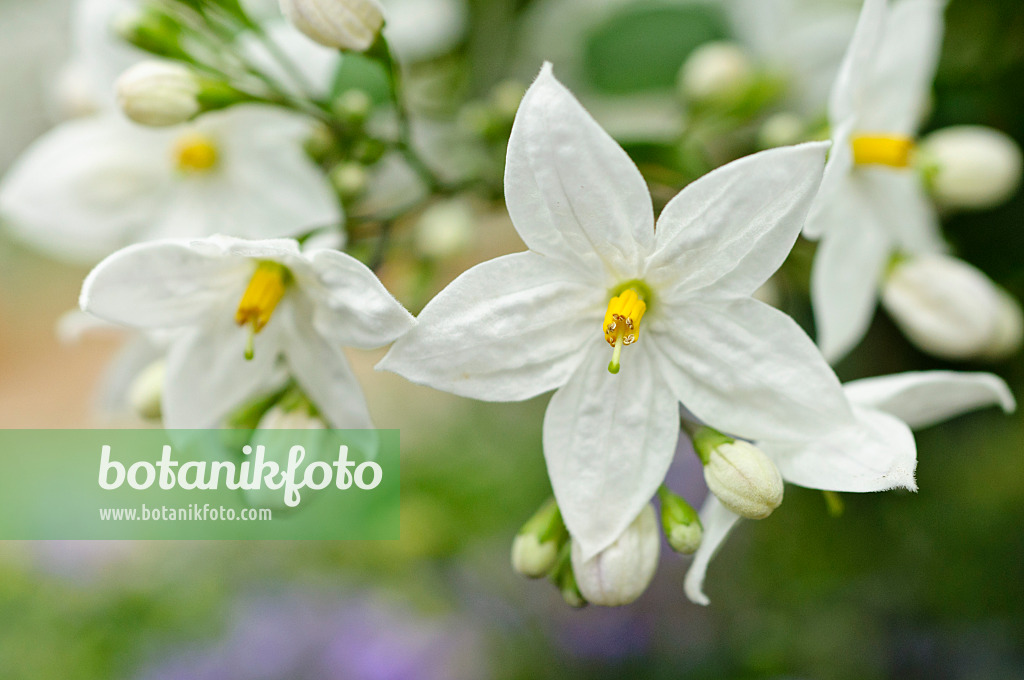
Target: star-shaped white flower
[
  {"x": 93, "y": 185},
  {"x": 872, "y": 203},
  {"x": 670, "y": 304},
  {"x": 889, "y": 405},
  {"x": 244, "y": 311}
]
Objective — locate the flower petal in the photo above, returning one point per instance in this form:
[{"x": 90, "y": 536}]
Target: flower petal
[
  {"x": 735, "y": 226},
  {"x": 925, "y": 398},
  {"x": 163, "y": 284},
  {"x": 87, "y": 187},
  {"x": 847, "y": 274},
  {"x": 899, "y": 83},
  {"x": 747, "y": 369},
  {"x": 608, "y": 442},
  {"x": 823, "y": 214},
  {"x": 848, "y": 92},
  {"x": 571, "y": 190},
  {"x": 208, "y": 375},
  {"x": 353, "y": 307},
  {"x": 875, "y": 454},
  {"x": 505, "y": 330},
  {"x": 322, "y": 370},
  {"x": 717, "y": 521},
  {"x": 902, "y": 208}
]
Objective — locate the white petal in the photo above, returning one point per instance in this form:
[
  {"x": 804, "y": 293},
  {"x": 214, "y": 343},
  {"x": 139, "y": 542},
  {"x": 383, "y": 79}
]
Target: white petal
[
  {"x": 505, "y": 330},
  {"x": 925, "y": 398},
  {"x": 718, "y": 521},
  {"x": 322, "y": 370},
  {"x": 353, "y": 307},
  {"x": 608, "y": 442},
  {"x": 876, "y": 454},
  {"x": 824, "y": 214},
  {"x": 87, "y": 187},
  {"x": 847, "y": 274},
  {"x": 571, "y": 190},
  {"x": 164, "y": 284},
  {"x": 735, "y": 226},
  {"x": 747, "y": 369},
  {"x": 848, "y": 93},
  {"x": 902, "y": 208},
  {"x": 208, "y": 375},
  {"x": 899, "y": 83}
]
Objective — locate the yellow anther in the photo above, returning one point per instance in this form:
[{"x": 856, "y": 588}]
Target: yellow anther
[
  {"x": 622, "y": 323},
  {"x": 892, "y": 150},
  {"x": 194, "y": 153},
  {"x": 265, "y": 290}
]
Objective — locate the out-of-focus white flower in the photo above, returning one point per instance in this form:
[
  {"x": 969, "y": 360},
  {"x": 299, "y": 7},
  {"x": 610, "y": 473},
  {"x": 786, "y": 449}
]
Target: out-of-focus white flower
[
  {"x": 91, "y": 186},
  {"x": 872, "y": 203},
  {"x": 445, "y": 228},
  {"x": 890, "y": 405},
  {"x": 243, "y": 312},
  {"x": 418, "y": 30},
  {"x": 158, "y": 93},
  {"x": 743, "y": 478},
  {"x": 972, "y": 166},
  {"x": 781, "y": 129},
  {"x": 716, "y": 73},
  {"x": 1009, "y": 333},
  {"x": 600, "y": 281},
  {"x": 342, "y": 24},
  {"x": 147, "y": 390},
  {"x": 620, "y": 573},
  {"x": 950, "y": 309}
]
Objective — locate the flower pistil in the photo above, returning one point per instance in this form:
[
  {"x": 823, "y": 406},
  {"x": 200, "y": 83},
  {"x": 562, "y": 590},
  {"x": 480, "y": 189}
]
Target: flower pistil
[
  {"x": 879, "y": 149},
  {"x": 265, "y": 290},
  {"x": 622, "y": 323}
]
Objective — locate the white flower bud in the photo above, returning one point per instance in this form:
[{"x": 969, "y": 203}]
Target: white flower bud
[
  {"x": 342, "y": 24},
  {"x": 680, "y": 523},
  {"x": 781, "y": 129},
  {"x": 621, "y": 572},
  {"x": 277, "y": 418},
  {"x": 716, "y": 72},
  {"x": 945, "y": 306},
  {"x": 531, "y": 557},
  {"x": 743, "y": 478},
  {"x": 973, "y": 166},
  {"x": 444, "y": 228},
  {"x": 1009, "y": 328},
  {"x": 146, "y": 391},
  {"x": 158, "y": 93}
]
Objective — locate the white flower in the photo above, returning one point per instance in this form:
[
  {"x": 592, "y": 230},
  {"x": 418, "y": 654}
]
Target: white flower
[
  {"x": 228, "y": 298},
  {"x": 343, "y": 24},
  {"x": 531, "y": 322},
  {"x": 93, "y": 185},
  {"x": 621, "y": 572},
  {"x": 974, "y": 166},
  {"x": 158, "y": 93},
  {"x": 950, "y": 309},
  {"x": 889, "y": 405},
  {"x": 872, "y": 203}
]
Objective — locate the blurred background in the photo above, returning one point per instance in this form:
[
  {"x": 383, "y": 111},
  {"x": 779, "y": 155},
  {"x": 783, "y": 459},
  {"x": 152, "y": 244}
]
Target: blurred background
[{"x": 927, "y": 585}]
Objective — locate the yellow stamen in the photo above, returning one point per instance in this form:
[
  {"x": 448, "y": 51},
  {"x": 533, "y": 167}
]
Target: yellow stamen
[
  {"x": 877, "y": 149},
  {"x": 622, "y": 323},
  {"x": 195, "y": 153},
  {"x": 265, "y": 290}
]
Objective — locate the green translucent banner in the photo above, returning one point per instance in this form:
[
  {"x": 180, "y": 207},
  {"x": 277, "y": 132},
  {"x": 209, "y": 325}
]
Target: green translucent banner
[{"x": 199, "y": 484}]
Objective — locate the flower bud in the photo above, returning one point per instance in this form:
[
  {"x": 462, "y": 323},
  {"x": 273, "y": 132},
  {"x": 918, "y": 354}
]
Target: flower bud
[
  {"x": 536, "y": 547},
  {"x": 621, "y": 572},
  {"x": 342, "y": 24},
  {"x": 158, "y": 93},
  {"x": 971, "y": 166},
  {"x": 146, "y": 391},
  {"x": 349, "y": 179},
  {"x": 781, "y": 129},
  {"x": 444, "y": 229},
  {"x": 680, "y": 522},
  {"x": 944, "y": 306},
  {"x": 716, "y": 73},
  {"x": 743, "y": 478},
  {"x": 280, "y": 418},
  {"x": 1009, "y": 328}
]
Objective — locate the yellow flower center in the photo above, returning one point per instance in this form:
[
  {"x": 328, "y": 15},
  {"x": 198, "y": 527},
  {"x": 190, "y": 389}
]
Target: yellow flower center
[
  {"x": 265, "y": 290},
  {"x": 875, "y": 149},
  {"x": 195, "y": 153},
  {"x": 622, "y": 323}
]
